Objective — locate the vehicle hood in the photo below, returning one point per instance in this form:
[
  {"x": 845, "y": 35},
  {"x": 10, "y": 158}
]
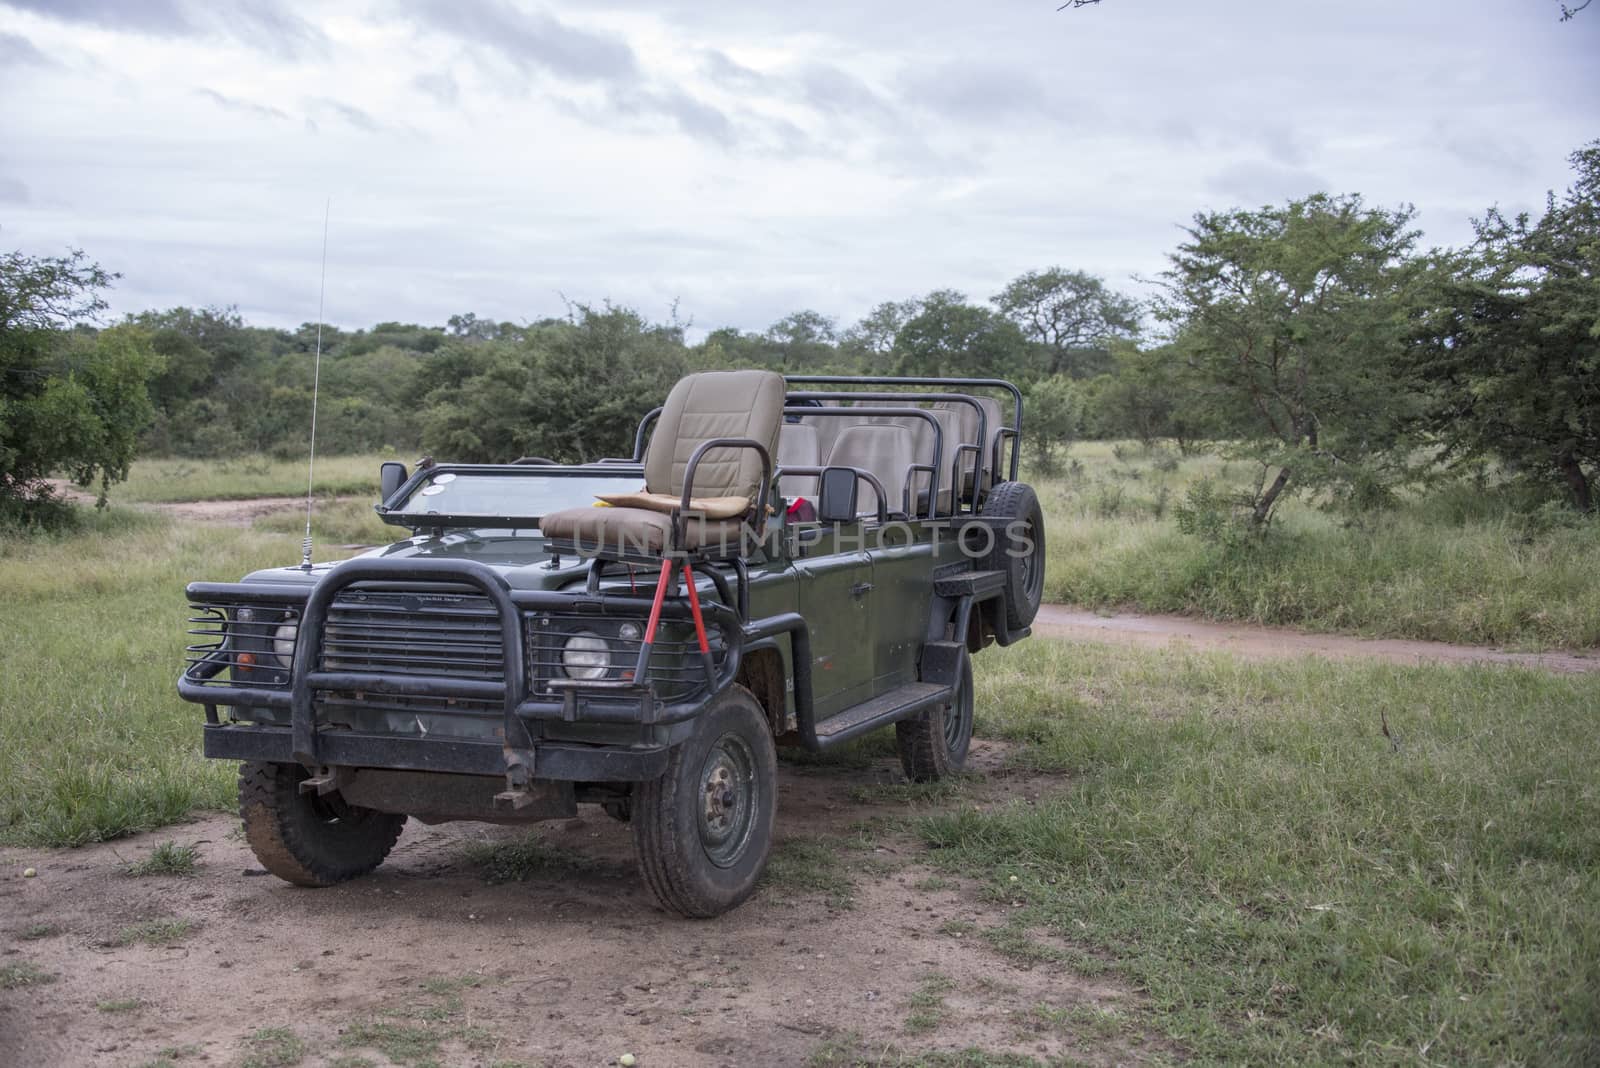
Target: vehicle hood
[{"x": 520, "y": 558}]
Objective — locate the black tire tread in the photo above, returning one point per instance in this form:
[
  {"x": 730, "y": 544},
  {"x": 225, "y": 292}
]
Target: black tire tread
[
  {"x": 1013, "y": 499},
  {"x": 924, "y": 754},
  {"x": 660, "y": 838},
  {"x": 267, "y": 792}
]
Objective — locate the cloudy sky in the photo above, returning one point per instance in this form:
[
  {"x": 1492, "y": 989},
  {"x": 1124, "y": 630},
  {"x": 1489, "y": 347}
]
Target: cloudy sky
[{"x": 744, "y": 160}]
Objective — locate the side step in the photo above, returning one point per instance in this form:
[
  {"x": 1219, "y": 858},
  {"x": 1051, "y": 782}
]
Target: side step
[
  {"x": 979, "y": 585},
  {"x": 898, "y": 703}
]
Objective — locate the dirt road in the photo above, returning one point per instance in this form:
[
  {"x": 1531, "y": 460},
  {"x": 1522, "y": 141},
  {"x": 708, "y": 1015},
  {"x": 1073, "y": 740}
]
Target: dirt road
[
  {"x": 853, "y": 947},
  {"x": 1267, "y": 643},
  {"x": 229, "y": 512}
]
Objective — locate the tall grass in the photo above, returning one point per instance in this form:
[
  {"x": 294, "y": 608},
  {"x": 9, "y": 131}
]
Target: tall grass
[
  {"x": 1285, "y": 881},
  {"x": 1456, "y": 564},
  {"x": 182, "y": 479},
  {"x": 96, "y": 742}
]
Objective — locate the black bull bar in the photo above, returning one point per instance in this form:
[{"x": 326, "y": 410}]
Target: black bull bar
[{"x": 518, "y": 755}]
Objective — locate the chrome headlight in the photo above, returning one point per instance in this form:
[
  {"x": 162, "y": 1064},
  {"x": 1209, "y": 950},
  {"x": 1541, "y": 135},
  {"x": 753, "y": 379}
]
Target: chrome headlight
[
  {"x": 283, "y": 643},
  {"x": 586, "y": 656}
]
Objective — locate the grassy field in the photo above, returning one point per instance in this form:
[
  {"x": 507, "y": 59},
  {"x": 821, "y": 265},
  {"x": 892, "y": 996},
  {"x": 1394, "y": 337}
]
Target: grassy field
[
  {"x": 1244, "y": 843},
  {"x": 1458, "y": 564},
  {"x": 159, "y": 480},
  {"x": 91, "y": 642},
  {"x": 1241, "y": 842}
]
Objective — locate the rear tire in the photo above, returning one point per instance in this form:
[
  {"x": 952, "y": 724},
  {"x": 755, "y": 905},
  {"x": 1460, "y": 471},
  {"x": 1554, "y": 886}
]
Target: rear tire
[
  {"x": 305, "y": 839},
  {"x": 933, "y": 744},
  {"x": 1018, "y": 550},
  {"x": 703, "y": 830}
]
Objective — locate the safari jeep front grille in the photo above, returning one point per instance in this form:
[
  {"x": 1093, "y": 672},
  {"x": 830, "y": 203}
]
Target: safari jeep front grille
[{"x": 452, "y": 635}]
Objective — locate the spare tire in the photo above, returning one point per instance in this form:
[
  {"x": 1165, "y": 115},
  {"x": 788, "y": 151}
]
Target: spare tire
[{"x": 1017, "y": 549}]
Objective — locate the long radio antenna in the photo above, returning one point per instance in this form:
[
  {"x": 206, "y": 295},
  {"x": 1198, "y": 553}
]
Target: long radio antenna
[{"x": 316, "y": 384}]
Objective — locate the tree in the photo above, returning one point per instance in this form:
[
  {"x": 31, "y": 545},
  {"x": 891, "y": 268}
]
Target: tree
[
  {"x": 952, "y": 338},
  {"x": 1071, "y": 315},
  {"x": 71, "y": 400},
  {"x": 869, "y": 344},
  {"x": 1292, "y": 323},
  {"x": 1055, "y": 418},
  {"x": 1515, "y": 358}
]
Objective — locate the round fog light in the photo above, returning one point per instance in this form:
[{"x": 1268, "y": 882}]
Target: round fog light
[
  {"x": 586, "y": 656},
  {"x": 629, "y": 632}
]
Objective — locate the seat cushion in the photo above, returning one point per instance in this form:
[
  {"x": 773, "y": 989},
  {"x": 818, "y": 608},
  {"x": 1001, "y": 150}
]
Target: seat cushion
[
  {"x": 710, "y": 507},
  {"x": 715, "y": 404},
  {"x": 635, "y": 531}
]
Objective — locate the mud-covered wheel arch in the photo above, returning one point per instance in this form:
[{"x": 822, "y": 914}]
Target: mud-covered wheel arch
[{"x": 306, "y": 839}]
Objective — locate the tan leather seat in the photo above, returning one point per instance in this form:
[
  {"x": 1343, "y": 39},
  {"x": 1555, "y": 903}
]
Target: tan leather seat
[
  {"x": 967, "y": 422},
  {"x": 829, "y": 427},
  {"x": 887, "y": 450},
  {"x": 926, "y": 445},
  {"x": 798, "y": 447},
  {"x": 712, "y": 404}
]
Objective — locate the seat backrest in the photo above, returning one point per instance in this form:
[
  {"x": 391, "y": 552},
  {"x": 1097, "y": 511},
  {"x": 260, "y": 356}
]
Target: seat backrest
[
  {"x": 925, "y": 445},
  {"x": 967, "y": 420},
  {"x": 798, "y": 447},
  {"x": 715, "y": 404},
  {"x": 828, "y": 427},
  {"x": 886, "y": 450}
]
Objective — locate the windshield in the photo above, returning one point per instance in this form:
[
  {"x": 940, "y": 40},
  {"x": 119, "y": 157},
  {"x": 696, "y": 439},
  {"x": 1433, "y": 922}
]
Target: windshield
[{"x": 528, "y": 495}]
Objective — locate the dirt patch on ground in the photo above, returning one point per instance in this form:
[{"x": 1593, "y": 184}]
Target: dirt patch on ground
[
  {"x": 1269, "y": 643},
  {"x": 239, "y": 513},
  {"x": 870, "y": 955}
]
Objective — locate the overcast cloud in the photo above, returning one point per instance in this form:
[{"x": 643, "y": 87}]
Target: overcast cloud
[{"x": 745, "y": 160}]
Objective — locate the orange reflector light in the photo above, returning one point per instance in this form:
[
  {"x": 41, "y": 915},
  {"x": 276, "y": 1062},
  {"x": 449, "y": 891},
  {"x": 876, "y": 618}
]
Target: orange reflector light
[{"x": 246, "y": 660}]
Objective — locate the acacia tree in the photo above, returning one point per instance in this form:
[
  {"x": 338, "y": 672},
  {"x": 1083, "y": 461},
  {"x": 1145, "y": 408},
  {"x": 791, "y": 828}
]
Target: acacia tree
[
  {"x": 1071, "y": 315},
  {"x": 1291, "y": 323},
  {"x": 1515, "y": 359},
  {"x": 71, "y": 401}
]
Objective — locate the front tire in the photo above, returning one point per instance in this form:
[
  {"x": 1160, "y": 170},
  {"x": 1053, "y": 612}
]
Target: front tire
[
  {"x": 703, "y": 830},
  {"x": 305, "y": 839},
  {"x": 933, "y": 744}
]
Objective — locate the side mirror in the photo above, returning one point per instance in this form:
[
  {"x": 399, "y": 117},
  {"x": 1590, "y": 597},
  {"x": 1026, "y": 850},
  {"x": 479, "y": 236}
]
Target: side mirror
[
  {"x": 836, "y": 499},
  {"x": 391, "y": 476}
]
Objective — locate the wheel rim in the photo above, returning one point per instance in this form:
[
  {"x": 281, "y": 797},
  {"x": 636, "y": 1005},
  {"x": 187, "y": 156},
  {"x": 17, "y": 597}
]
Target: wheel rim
[
  {"x": 957, "y": 716},
  {"x": 727, "y": 803},
  {"x": 1032, "y": 569}
]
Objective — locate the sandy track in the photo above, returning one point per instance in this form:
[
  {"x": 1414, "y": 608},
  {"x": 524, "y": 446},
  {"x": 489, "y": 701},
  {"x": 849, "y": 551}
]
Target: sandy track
[
  {"x": 573, "y": 969},
  {"x": 229, "y": 512},
  {"x": 1266, "y": 643}
]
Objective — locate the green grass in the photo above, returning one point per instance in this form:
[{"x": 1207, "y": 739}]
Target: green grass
[
  {"x": 927, "y": 1003},
  {"x": 1242, "y": 843},
  {"x": 167, "y": 931},
  {"x": 91, "y": 641},
  {"x": 273, "y": 1047},
  {"x": 18, "y": 974},
  {"x": 810, "y": 865},
  {"x": 1458, "y": 564},
  {"x": 168, "y": 858},
  {"x": 522, "y": 858},
  {"x": 119, "y": 1006},
  {"x": 335, "y": 523},
  {"x": 180, "y": 479}
]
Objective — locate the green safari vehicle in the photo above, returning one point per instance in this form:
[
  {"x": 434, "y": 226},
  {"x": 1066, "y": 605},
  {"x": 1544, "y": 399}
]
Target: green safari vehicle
[{"x": 788, "y": 561}]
